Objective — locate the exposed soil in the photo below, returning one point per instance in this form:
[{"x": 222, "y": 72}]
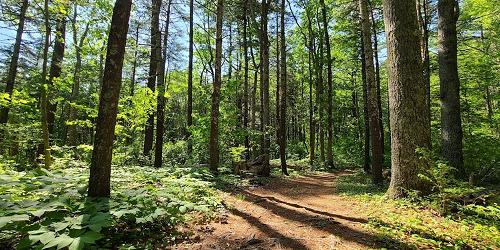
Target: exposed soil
[{"x": 288, "y": 213}]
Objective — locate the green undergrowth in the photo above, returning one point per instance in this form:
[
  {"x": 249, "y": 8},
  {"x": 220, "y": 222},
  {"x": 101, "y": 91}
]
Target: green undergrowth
[
  {"x": 43, "y": 209},
  {"x": 421, "y": 222}
]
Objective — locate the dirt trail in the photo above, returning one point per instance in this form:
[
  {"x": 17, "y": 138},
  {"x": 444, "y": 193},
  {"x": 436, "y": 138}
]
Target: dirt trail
[{"x": 291, "y": 213}]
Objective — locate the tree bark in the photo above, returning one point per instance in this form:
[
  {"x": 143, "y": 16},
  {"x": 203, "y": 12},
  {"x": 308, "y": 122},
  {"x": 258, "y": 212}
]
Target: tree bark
[
  {"x": 43, "y": 89},
  {"x": 278, "y": 83},
  {"x": 329, "y": 61},
  {"x": 11, "y": 75},
  {"x": 56, "y": 66},
  {"x": 449, "y": 81},
  {"x": 245, "y": 79},
  {"x": 214, "y": 123},
  {"x": 264, "y": 80},
  {"x": 100, "y": 168},
  {"x": 423, "y": 21},
  {"x": 377, "y": 75},
  {"x": 366, "y": 147},
  {"x": 190, "y": 78},
  {"x": 160, "y": 111},
  {"x": 282, "y": 91},
  {"x": 319, "y": 98},
  {"x": 373, "y": 106},
  {"x": 409, "y": 131},
  {"x": 153, "y": 68},
  {"x": 312, "y": 120}
]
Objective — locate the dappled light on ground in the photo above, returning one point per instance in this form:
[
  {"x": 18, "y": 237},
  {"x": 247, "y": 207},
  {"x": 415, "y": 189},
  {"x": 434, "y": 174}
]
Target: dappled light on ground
[{"x": 291, "y": 213}]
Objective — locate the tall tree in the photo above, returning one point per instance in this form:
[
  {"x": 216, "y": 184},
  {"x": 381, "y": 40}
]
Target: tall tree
[
  {"x": 56, "y": 65},
  {"x": 44, "y": 100},
  {"x": 377, "y": 71},
  {"x": 214, "y": 122},
  {"x": 160, "y": 111},
  {"x": 100, "y": 168},
  {"x": 190, "y": 77},
  {"x": 245, "y": 78},
  {"x": 329, "y": 62},
  {"x": 451, "y": 122},
  {"x": 423, "y": 21},
  {"x": 409, "y": 131},
  {"x": 153, "y": 68},
  {"x": 264, "y": 83},
  {"x": 11, "y": 75},
  {"x": 312, "y": 120},
  {"x": 366, "y": 113},
  {"x": 282, "y": 91},
  {"x": 319, "y": 92},
  {"x": 372, "y": 93}
]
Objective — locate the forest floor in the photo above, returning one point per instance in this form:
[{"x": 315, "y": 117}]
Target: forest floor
[{"x": 288, "y": 213}]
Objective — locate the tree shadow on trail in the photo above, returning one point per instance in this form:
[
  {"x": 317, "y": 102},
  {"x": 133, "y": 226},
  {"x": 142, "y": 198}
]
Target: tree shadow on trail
[
  {"x": 353, "y": 219},
  {"x": 332, "y": 227},
  {"x": 269, "y": 231}
]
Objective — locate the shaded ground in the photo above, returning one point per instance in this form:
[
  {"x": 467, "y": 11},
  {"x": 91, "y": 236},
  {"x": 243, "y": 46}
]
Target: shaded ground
[{"x": 291, "y": 213}]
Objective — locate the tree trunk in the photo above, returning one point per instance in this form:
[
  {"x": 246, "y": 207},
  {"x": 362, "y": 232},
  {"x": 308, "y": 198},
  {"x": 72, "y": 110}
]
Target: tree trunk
[
  {"x": 282, "y": 92},
  {"x": 319, "y": 98},
  {"x": 278, "y": 84},
  {"x": 377, "y": 76},
  {"x": 190, "y": 77},
  {"x": 407, "y": 105},
  {"x": 373, "y": 107},
  {"x": 56, "y": 66},
  {"x": 366, "y": 147},
  {"x": 11, "y": 75},
  {"x": 160, "y": 111},
  {"x": 312, "y": 121},
  {"x": 214, "y": 123},
  {"x": 329, "y": 147},
  {"x": 153, "y": 67},
  {"x": 449, "y": 82},
  {"x": 100, "y": 168},
  {"x": 264, "y": 76},
  {"x": 423, "y": 21},
  {"x": 245, "y": 79},
  {"x": 43, "y": 89}
]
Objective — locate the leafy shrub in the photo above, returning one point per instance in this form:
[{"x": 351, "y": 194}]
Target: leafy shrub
[{"x": 43, "y": 209}]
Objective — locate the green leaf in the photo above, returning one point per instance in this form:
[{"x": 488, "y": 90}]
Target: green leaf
[
  {"x": 160, "y": 211},
  {"x": 44, "y": 238},
  {"x": 60, "y": 226},
  {"x": 122, "y": 212},
  {"x": 90, "y": 237},
  {"x": 13, "y": 218},
  {"x": 25, "y": 243},
  {"x": 41, "y": 230},
  {"x": 61, "y": 242},
  {"x": 77, "y": 244},
  {"x": 99, "y": 221},
  {"x": 40, "y": 212},
  {"x": 182, "y": 209}
]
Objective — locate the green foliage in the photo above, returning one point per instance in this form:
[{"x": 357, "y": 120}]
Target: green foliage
[
  {"x": 357, "y": 184},
  {"x": 49, "y": 208},
  {"x": 236, "y": 153},
  {"x": 417, "y": 223}
]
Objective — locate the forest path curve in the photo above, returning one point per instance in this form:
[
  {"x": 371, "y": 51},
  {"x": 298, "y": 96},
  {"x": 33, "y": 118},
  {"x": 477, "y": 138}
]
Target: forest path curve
[{"x": 288, "y": 213}]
